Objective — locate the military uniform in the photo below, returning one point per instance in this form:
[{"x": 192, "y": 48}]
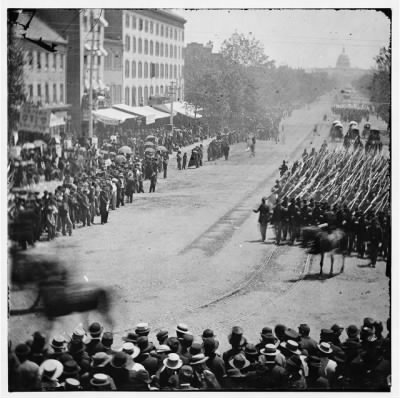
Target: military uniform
[{"x": 277, "y": 221}]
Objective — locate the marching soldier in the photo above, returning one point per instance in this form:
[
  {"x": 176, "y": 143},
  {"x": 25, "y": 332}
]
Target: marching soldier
[
  {"x": 277, "y": 221},
  {"x": 285, "y": 218}
]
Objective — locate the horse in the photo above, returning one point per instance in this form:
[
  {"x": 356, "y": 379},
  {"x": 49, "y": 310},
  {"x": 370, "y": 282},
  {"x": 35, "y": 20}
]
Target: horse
[
  {"x": 319, "y": 241},
  {"x": 57, "y": 294}
]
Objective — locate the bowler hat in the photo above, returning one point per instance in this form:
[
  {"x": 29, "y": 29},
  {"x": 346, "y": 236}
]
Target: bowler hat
[
  {"x": 237, "y": 332},
  {"x": 22, "y": 350},
  {"x": 95, "y": 329},
  {"x": 143, "y": 344},
  {"x": 294, "y": 361},
  {"x": 143, "y": 375},
  {"x": 71, "y": 368},
  {"x": 291, "y": 334},
  {"x": 162, "y": 334},
  {"x": 119, "y": 360},
  {"x": 76, "y": 347},
  {"x": 131, "y": 337},
  {"x": 266, "y": 330},
  {"x": 107, "y": 339},
  {"x": 304, "y": 328},
  {"x": 250, "y": 350},
  {"x": 186, "y": 371},
  {"x": 352, "y": 331},
  {"x": 207, "y": 333},
  {"x": 337, "y": 328},
  {"x": 195, "y": 349}
]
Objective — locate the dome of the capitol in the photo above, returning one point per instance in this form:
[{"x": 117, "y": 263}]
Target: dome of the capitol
[{"x": 343, "y": 61}]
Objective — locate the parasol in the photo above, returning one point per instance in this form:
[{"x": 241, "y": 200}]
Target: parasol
[
  {"x": 150, "y": 137},
  {"x": 162, "y": 148},
  {"x": 125, "y": 150},
  {"x": 28, "y": 145},
  {"x": 152, "y": 150},
  {"x": 149, "y": 143}
]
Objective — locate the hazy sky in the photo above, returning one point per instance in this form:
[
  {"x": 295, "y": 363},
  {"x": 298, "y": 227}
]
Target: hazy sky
[{"x": 299, "y": 38}]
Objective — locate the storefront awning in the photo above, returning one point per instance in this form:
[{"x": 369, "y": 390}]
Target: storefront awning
[
  {"x": 112, "y": 116},
  {"x": 56, "y": 120},
  {"x": 182, "y": 108},
  {"x": 150, "y": 114}
]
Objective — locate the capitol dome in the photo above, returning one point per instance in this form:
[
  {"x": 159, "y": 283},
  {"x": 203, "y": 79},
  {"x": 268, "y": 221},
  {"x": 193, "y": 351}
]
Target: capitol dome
[{"x": 343, "y": 61}]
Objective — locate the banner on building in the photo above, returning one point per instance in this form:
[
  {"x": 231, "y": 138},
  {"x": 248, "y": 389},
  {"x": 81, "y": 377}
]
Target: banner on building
[{"x": 34, "y": 119}]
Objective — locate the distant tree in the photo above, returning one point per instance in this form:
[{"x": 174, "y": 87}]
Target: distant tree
[
  {"x": 15, "y": 78},
  {"x": 245, "y": 50},
  {"x": 381, "y": 84}
]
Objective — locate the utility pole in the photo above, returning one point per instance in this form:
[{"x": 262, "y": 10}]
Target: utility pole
[
  {"x": 171, "y": 118},
  {"x": 91, "y": 83}
]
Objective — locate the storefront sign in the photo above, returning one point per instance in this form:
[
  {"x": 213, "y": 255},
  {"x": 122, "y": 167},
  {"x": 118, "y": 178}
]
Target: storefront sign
[{"x": 32, "y": 118}]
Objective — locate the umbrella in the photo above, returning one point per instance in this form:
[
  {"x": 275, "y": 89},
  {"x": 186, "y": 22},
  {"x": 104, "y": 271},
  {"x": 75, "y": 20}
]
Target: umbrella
[
  {"x": 150, "y": 137},
  {"x": 39, "y": 143},
  {"x": 107, "y": 145},
  {"x": 125, "y": 149},
  {"x": 149, "y": 143},
  {"x": 28, "y": 145},
  {"x": 120, "y": 158},
  {"x": 112, "y": 153},
  {"x": 162, "y": 148},
  {"x": 150, "y": 150}
]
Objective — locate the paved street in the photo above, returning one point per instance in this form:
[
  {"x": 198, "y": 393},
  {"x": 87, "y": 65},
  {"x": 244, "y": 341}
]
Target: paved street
[{"x": 170, "y": 255}]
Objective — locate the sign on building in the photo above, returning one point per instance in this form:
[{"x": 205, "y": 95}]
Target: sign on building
[{"x": 34, "y": 119}]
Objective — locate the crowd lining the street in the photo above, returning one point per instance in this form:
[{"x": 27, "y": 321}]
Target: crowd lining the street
[{"x": 283, "y": 359}]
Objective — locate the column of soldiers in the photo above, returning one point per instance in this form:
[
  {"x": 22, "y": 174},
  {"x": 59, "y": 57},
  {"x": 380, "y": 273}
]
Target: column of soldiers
[{"x": 364, "y": 232}]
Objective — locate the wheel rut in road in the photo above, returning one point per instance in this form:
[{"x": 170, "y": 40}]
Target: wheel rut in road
[{"x": 215, "y": 237}]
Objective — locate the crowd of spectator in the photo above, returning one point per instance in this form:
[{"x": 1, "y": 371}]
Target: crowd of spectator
[{"x": 350, "y": 359}]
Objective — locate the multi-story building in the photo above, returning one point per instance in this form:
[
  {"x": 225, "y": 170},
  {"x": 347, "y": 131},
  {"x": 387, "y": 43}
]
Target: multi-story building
[
  {"x": 152, "y": 55},
  {"x": 44, "y": 71},
  {"x": 84, "y": 29}
]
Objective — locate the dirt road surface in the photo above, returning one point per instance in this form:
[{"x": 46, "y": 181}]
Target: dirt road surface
[{"x": 191, "y": 253}]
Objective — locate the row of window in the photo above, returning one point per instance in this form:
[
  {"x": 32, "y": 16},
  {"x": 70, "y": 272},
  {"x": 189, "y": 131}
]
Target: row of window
[
  {"x": 154, "y": 28},
  {"x": 40, "y": 60},
  {"x": 142, "y": 94},
  {"x": 48, "y": 93},
  {"x": 145, "y": 70},
  {"x": 147, "y": 47}
]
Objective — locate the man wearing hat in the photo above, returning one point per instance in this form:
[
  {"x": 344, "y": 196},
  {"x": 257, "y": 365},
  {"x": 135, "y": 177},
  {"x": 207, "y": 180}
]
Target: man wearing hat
[
  {"x": 162, "y": 336},
  {"x": 296, "y": 380},
  {"x": 263, "y": 218},
  {"x": 185, "y": 376},
  {"x": 167, "y": 375},
  {"x": 271, "y": 375},
  {"x": 306, "y": 342},
  {"x": 203, "y": 377},
  {"x": 328, "y": 366},
  {"x": 94, "y": 345},
  {"x": 277, "y": 220},
  {"x": 58, "y": 347},
  {"x": 27, "y": 372},
  {"x": 146, "y": 357},
  {"x": 49, "y": 372},
  {"x": 107, "y": 341},
  {"x": 38, "y": 350},
  {"x": 214, "y": 362},
  {"x": 185, "y": 344},
  {"x": 102, "y": 382},
  {"x": 119, "y": 372},
  {"x": 237, "y": 342}
]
